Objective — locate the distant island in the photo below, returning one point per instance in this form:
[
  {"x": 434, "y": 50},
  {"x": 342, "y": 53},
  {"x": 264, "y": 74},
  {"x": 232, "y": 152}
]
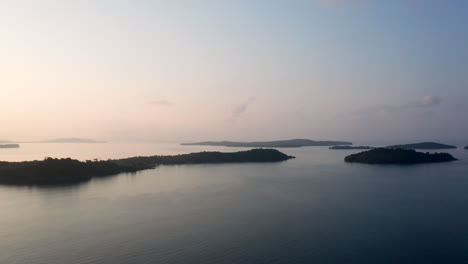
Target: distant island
[
  {"x": 466, "y": 147},
  {"x": 292, "y": 143},
  {"x": 69, "y": 171},
  {"x": 351, "y": 147},
  {"x": 397, "y": 156},
  {"x": 71, "y": 140},
  {"x": 57, "y": 140},
  {"x": 423, "y": 145},
  {"x": 9, "y": 146}
]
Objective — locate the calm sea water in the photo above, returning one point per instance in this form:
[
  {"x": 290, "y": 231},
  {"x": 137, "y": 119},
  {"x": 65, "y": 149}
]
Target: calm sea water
[{"x": 313, "y": 209}]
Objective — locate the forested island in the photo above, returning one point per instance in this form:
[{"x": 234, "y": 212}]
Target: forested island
[
  {"x": 424, "y": 145},
  {"x": 9, "y": 146},
  {"x": 52, "y": 171},
  {"x": 351, "y": 147},
  {"x": 397, "y": 156},
  {"x": 292, "y": 143}
]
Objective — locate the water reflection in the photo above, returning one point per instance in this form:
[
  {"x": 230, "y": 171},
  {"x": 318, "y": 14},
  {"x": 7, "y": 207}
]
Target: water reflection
[{"x": 313, "y": 209}]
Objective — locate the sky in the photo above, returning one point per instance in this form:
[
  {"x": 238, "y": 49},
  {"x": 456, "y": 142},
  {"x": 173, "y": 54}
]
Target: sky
[{"x": 118, "y": 70}]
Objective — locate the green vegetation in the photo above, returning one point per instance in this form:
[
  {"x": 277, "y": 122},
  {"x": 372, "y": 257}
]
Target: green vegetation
[
  {"x": 293, "y": 143},
  {"x": 397, "y": 156},
  {"x": 68, "y": 171},
  {"x": 351, "y": 147},
  {"x": 424, "y": 145},
  {"x": 9, "y": 146}
]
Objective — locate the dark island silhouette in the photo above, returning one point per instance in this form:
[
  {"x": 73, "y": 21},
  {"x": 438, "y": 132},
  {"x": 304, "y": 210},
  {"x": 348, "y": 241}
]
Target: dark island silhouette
[
  {"x": 52, "y": 171},
  {"x": 466, "y": 147},
  {"x": 397, "y": 156},
  {"x": 424, "y": 145},
  {"x": 292, "y": 143},
  {"x": 9, "y": 146},
  {"x": 350, "y": 147}
]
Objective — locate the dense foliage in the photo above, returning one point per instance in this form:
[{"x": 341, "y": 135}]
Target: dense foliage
[{"x": 397, "y": 156}]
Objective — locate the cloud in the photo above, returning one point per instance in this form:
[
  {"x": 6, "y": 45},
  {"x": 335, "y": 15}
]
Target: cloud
[
  {"x": 381, "y": 110},
  {"x": 242, "y": 108},
  {"x": 430, "y": 101},
  {"x": 161, "y": 103}
]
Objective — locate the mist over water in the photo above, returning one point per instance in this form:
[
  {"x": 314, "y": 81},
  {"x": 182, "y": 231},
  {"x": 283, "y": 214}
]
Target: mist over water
[{"x": 312, "y": 209}]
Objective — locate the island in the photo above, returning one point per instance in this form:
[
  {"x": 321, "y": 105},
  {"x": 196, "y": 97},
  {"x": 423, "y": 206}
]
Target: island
[
  {"x": 397, "y": 156},
  {"x": 2, "y": 146},
  {"x": 71, "y": 140},
  {"x": 424, "y": 145},
  {"x": 292, "y": 143},
  {"x": 52, "y": 171},
  {"x": 466, "y": 147},
  {"x": 351, "y": 147}
]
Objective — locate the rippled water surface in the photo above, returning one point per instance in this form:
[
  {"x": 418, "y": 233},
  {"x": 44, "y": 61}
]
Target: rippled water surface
[{"x": 313, "y": 209}]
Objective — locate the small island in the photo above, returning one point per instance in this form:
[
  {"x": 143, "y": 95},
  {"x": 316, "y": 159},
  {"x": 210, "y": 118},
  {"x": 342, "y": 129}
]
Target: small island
[
  {"x": 3, "y": 146},
  {"x": 424, "y": 145},
  {"x": 466, "y": 147},
  {"x": 69, "y": 171},
  {"x": 397, "y": 156},
  {"x": 351, "y": 147},
  {"x": 292, "y": 143}
]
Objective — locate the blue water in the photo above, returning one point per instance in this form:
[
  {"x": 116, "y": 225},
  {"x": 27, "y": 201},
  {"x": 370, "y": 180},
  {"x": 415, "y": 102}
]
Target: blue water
[{"x": 313, "y": 209}]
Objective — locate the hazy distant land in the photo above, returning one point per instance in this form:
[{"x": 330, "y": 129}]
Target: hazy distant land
[
  {"x": 292, "y": 143},
  {"x": 68, "y": 171},
  {"x": 424, "y": 145},
  {"x": 57, "y": 140},
  {"x": 9, "y": 146},
  {"x": 351, "y": 147},
  {"x": 397, "y": 156},
  {"x": 71, "y": 140}
]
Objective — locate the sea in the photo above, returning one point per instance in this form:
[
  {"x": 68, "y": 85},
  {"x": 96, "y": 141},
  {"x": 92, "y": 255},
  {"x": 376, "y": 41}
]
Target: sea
[{"x": 312, "y": 209}]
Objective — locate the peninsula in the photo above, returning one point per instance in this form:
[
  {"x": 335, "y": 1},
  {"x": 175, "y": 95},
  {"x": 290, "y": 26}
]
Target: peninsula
[
  {"x": 351, "y": 147},
  {"x": 397, "y": 156},
  {"x": 9, "y": 146},
  {"x": 424, "y": 145},
  {"x": 292, "y": 143},
  {"x": 69, "y": 171}
]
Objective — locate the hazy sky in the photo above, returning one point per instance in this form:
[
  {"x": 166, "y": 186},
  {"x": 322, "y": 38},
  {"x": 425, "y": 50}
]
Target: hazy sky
[{"x": 235, "y": 70}]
